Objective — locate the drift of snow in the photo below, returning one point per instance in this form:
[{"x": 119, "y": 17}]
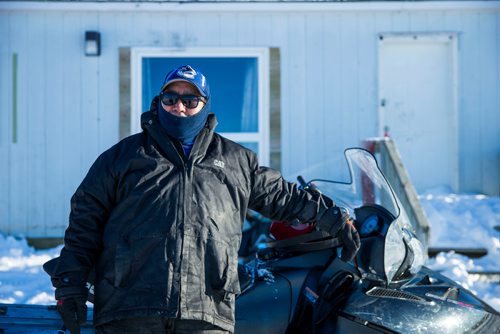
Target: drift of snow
[
  {"x": 22, "y": 279},
  {"x": 467, "y": 220}
]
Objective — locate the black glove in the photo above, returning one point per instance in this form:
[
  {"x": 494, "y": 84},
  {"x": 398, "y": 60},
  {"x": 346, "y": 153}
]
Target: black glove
[
  {"x": 73, "y": 312},
  {"x": 339, "y": 224},
  {"x": 350, "y": 239},
  {"x": 71, "y": 294}
]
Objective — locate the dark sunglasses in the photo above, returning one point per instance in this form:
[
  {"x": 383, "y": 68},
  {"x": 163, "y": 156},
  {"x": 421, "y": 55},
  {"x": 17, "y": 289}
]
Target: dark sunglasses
[{"x": 189, "y": 101}]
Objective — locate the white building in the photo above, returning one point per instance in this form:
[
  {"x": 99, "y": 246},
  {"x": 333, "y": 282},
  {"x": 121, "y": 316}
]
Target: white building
[{"x": 296, "y": 81}]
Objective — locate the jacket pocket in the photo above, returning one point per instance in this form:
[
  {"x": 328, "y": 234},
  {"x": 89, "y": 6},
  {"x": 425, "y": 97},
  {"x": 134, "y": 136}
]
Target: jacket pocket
[
  {"x": 221, "y": 268},
  {"x": 122, "y": 264},
  {"x": 140, "y": 261}
]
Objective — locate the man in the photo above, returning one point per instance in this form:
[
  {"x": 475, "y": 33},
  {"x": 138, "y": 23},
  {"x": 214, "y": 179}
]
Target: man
[{"x": 159, "y": 217}]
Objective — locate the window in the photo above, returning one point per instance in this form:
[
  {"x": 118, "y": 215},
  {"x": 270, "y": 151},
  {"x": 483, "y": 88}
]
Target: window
[{"x": 239, "y": 85}]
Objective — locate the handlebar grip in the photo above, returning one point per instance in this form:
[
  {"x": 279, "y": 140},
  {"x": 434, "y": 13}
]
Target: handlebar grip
[
  {"x": 302, "y": 182},
  {"x": 308, "y": 186}
]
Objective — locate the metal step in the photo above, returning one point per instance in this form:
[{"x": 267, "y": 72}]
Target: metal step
[
  {"x": 24, "y": 318},
  {"x": 473, "y": 253},
  {"x": 488, "y": 276}
]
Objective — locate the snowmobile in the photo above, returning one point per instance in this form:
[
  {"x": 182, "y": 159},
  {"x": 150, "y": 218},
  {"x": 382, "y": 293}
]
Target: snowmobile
[
  {"x": 298, "y": 283},
  {"x": 294, "y": 281}
]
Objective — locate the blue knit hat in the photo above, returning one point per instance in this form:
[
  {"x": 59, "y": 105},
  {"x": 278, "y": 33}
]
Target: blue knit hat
[{"x": 188, "y": 74}]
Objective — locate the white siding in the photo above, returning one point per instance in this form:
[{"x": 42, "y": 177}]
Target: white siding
[{"x": 68, "y": 108}]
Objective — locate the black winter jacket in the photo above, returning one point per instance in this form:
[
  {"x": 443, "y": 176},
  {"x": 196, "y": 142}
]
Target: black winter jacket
[{"x": 163, "y": 231}]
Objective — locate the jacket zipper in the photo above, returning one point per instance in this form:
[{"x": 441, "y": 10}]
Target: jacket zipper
[{"x": 184, "y": 247}]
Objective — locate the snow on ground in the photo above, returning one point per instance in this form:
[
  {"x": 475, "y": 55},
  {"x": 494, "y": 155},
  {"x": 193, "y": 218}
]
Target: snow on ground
[
  {"x": 466, "y": 220},
  {"x": 22, "y": 279}
]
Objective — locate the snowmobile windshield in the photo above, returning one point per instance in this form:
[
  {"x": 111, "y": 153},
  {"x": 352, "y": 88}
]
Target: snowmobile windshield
[
  {"x": 367, "y": 186},
  {"x": 402, "y": 253}
]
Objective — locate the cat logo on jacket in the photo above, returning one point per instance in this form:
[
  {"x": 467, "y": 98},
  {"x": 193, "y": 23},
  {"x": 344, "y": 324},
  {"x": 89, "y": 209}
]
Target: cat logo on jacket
[{"x": 219, "y": 163}]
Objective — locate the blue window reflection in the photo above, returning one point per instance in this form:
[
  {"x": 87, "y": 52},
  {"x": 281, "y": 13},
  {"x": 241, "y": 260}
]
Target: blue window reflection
[
  {"x": 251, "y": 146},
  {"x": 233, "y": 85}
]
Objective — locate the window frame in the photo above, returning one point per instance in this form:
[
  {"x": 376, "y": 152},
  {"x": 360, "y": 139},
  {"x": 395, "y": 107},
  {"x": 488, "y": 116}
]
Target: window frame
[{"x": 261, "y": 137}]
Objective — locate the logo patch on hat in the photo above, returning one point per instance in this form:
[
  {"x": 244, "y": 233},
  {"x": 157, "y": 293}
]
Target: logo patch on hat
[{"x": 187, "y": 72}]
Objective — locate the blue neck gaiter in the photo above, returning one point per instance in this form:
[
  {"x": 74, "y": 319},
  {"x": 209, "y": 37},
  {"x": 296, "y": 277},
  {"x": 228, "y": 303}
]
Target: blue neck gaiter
[{"x": 185, "y": 129}]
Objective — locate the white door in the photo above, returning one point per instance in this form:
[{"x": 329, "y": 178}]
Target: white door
[{"x": 417, "y": 105}]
